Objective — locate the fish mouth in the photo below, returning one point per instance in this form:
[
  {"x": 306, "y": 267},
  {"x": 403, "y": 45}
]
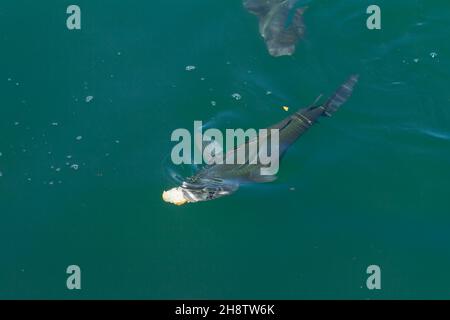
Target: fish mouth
[{"x": 175, "y": 196}]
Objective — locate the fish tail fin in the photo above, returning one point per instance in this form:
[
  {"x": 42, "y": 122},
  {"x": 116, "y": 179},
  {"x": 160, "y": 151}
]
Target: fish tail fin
[{"x": 340, "y": 96}]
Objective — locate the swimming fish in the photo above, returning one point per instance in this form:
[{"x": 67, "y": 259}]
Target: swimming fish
[
  {"x": 218, "y": 180},
  {"x": 273, "y": 16}
]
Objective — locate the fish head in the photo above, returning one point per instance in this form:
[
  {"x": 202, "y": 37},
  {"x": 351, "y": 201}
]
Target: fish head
[{"x": 200, "y": 190}]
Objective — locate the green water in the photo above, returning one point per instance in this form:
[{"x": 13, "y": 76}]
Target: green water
[{"x": 371, "y": 184}]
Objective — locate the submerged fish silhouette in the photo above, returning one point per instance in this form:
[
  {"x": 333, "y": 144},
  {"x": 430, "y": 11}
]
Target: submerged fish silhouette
[
  {"x": 218, "y": 180},
  {"x": 280, "y": 38}
]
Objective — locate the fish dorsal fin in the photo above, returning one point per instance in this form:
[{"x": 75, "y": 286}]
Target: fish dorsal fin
[{"x": 317, "y": 100}]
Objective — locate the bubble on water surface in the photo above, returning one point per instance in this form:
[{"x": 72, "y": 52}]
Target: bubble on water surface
[{"x": 236, "y": 96}]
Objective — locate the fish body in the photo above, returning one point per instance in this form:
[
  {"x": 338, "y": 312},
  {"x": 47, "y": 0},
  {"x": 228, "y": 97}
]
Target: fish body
[{"x": 217, "y": 180}]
